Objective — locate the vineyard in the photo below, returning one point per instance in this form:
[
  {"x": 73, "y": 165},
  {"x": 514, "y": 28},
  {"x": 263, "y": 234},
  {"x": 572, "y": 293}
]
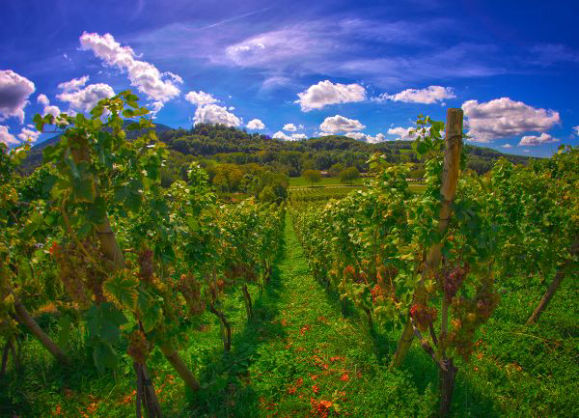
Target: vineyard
[{"x": 122, "y": 296}]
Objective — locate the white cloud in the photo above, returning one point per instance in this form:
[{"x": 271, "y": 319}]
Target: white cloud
[
  {"x": 43, "y": 100},
  {"x": 428, "y": 95},
  {"x": 53, "y": 110},
  {"x": 532, "y": 140},
  {"x": 281, "y": 135},
  {"x": 404, "y": 134},
  {"x": 285, "y": 137},
  {"x": 84, "y": 100},
  {"x": 340, "y": 124},
  {"x": 14, "y": 93},
  {"x": 215, "y": 114},
  {"x": 255, "y": 124},
  {"x": 327, "y": 93},
  {"x": 576, "y": 129},
  {"x": 274, "y": 83},
  {"x": 158, "y": 87},
  {"x": 200, "y": 98},
  {"x": 6, "y": 137},
  {"x": 46, "y": 107},
  {"x": 290, "y": 127},
  {"x": 502, "y": 118},
  {"x": 507, "y": 146},
  {"x": 360, "y": 136},
  {"x": 28, "y": 133},
  {"x": 74, "y": 84}
]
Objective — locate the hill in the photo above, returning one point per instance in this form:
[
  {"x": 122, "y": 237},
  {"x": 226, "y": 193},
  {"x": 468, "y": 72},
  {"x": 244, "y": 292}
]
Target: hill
[{"x": 231, "y": 145}]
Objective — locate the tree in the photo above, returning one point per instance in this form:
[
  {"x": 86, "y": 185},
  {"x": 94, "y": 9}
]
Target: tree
[
  {"x": 349, "y": 175},
  {"x": 312, "y": 176},
  {"x": 336, "y": 169}
]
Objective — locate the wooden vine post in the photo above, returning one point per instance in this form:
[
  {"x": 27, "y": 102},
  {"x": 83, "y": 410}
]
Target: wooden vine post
[{"x": 453, "y": 147}]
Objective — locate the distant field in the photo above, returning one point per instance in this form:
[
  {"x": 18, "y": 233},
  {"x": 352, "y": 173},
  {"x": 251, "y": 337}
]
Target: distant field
[
  {"x": 300, "y": 181},
  {"x": 330, "y": 188}
]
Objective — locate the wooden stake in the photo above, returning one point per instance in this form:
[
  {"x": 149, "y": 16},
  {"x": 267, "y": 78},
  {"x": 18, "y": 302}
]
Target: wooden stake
[{"x": 453, "y": 148}]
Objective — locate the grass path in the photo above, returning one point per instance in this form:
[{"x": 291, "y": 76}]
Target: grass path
[{"x": 301, "y": 357}]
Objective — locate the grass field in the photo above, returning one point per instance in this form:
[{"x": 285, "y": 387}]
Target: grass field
[
  {"x": 326, "y": 181},
  {"x": 330, "y": 188},
  {"x": 306, "y": 354}
]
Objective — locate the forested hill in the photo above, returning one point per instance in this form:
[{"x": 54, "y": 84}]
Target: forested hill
[
  {"x": 231, "y": 145},
  {"x": 237, "y": 146}
]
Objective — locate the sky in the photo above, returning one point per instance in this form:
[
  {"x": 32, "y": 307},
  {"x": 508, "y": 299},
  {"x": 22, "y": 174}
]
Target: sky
[{"x": 300, "y": 69}]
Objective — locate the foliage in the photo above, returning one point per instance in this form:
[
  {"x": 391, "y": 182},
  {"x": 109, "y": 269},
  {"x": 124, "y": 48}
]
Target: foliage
[
  {"x": 349, "y": 175},
  {"x": 312, "y": 176}
]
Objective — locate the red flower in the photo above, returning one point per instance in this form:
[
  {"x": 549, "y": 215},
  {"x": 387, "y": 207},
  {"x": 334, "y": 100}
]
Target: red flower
[
  {"x": 345, "y": 377},
  {"x": 305, "y": 328},
  {"x": 54, "y": 248}
]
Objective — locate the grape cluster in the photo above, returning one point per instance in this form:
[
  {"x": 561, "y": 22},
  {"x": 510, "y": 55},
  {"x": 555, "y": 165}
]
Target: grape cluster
[
  {"x": 139, "y": 348},
  {"x": 452, "y": 280},
  {"x": 191, "y": 291},
  {"x": 70, "y": 272},
  {"x": 470, "y": 314},
  {"x": 146, "y": 265},
  {"x": 423, "y": 315}
]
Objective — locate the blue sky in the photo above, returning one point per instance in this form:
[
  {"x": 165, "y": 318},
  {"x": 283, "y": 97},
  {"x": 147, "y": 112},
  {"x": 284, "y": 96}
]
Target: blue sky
[{"x": 365, "y": 69}]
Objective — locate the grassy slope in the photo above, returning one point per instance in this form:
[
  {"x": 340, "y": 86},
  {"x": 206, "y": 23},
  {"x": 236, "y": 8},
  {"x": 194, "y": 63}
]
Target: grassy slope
[{"x": 304, "y": 348}]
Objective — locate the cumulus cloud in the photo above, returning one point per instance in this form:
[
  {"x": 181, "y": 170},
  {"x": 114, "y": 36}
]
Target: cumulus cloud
[
  {"x": 506, "y": 146},
  {"x": 403, "y": 134},
  {"x": 74, "y": 84},
  {"x": 28, "y": 133},
  {"x": 502, "y": 118},
  {"x": 255, "y": 124},
  {"x": 200, "y": 98},
  {"x": 14, "y": 93},
  {"x": 6, "y": 137},
  {"x": 84, "y": 100},
  {"x": 576, "y": 129},
  {"x": 290, "y": 127},
  {"x": 158, "y": 87},
  {"x": 285, "y": 137},
  {"x": 360, "y": 136},
  {"x": 215, "y": 114},
  {"x": 339, "y": 124},
  {"x": 52, "y": 109},
  {"x": 47, "y": 108},
  {"x": 327, "y": 93},
  {"x": 532, "y": 140},
  {"x": 43, "y": 100},
  {"x": 428, "y": 95}
]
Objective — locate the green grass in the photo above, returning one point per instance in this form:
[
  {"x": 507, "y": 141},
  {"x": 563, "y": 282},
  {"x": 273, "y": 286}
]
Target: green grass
[{"x": 305, "y": 347}]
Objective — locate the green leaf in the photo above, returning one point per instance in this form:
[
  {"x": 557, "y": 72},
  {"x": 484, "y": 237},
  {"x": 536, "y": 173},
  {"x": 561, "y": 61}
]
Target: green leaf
[
  {"x": 104, "y": 356},
  {"x": 150, "y": 310},
  {"x": 104, "y": 321},
  {"x": 123, "y": 289}
]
